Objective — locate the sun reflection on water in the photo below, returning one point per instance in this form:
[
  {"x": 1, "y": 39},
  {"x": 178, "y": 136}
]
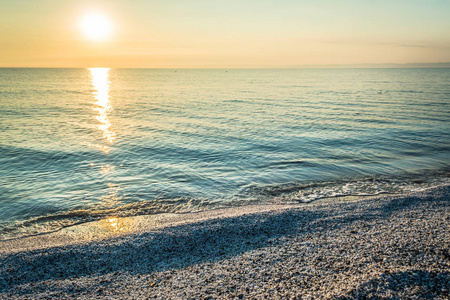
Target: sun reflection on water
[
  {"x": 100, "y": 82},
  {"x": 115, "y": 224}
]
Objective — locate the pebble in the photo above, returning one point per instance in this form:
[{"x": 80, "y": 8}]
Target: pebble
[{"x": 390, "y": 247}]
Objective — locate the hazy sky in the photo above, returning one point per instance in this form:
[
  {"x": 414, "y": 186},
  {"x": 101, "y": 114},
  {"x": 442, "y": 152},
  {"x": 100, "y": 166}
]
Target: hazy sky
[{"x": 225, "y": 33}]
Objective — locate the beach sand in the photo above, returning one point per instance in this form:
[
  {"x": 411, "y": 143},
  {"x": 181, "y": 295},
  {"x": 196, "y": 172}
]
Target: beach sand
[{"x": 395, "y": 247}]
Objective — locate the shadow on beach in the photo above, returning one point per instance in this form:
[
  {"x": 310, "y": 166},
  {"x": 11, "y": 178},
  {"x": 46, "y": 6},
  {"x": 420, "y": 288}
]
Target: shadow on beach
[
  {"x": 185, "y": 245},
  {"x": 427, "y": 285}
]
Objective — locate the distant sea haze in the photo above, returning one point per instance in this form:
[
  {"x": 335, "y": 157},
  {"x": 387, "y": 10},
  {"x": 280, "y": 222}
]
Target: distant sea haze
[
  {"x": 441, "y": 65},
  {"x": 84, "y": 144}
]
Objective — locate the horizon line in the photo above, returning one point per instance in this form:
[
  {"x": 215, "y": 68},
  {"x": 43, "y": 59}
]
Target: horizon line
[{"x": 441, "y": 65}]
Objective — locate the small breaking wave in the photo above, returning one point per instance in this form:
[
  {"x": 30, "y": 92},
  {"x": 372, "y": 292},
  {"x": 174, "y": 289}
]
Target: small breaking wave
[
  {"x": 372, "y": 186},
  {"x": 57, "y": 221},
  {"x": 293, "y": 193}
]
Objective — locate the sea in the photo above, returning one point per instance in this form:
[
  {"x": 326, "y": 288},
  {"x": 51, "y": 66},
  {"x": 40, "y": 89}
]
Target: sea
[{"x": 79, "y": 145}]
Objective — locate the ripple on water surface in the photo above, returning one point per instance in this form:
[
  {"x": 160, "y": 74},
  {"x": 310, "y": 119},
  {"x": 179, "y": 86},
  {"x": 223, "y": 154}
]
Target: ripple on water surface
[{"x": 86, "y": 144}]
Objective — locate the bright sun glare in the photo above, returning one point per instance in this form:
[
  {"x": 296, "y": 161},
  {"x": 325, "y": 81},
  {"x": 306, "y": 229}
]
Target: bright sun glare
[{"x": 96, "y": 26}]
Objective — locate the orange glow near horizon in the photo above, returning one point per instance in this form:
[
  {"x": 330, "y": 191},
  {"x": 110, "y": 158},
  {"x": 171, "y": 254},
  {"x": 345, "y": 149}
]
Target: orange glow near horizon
[{"x": 222, "y": 34}]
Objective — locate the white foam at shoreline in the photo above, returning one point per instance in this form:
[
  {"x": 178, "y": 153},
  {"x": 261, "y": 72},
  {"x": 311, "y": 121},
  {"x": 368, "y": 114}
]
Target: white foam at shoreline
[
  {"x": 118, "y": 226},
  {"x": 160, "y": 209}
]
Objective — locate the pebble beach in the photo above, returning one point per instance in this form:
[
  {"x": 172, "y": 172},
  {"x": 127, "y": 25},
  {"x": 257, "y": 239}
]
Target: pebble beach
[{"x": 392, "y": 247}]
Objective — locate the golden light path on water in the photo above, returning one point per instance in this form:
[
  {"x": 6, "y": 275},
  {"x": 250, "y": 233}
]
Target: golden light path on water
[
  {"x": 101, "y": 85},
  {"x": 100, "y": 82}
]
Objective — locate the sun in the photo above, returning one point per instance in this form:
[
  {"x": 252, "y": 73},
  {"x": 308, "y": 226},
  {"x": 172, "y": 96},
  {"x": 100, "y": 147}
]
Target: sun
[{"x": 96, "y": 26}]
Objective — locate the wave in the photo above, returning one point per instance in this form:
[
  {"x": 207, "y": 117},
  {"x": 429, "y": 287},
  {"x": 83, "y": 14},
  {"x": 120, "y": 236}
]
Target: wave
[
  {"x": 334, "y": 189},
  {"x": 293, "y": 193}
]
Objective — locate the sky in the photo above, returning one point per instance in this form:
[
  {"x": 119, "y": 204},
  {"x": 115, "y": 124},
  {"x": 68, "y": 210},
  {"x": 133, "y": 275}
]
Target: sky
[{"x": 225, "y": 33}]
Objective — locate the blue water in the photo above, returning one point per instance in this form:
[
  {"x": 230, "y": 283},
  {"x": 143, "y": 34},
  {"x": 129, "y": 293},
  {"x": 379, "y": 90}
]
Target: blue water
[{"x": 84, "y": 144}]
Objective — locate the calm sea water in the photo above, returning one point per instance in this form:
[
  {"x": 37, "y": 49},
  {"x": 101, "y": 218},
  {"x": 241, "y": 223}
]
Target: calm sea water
[{"x": 84, "y": 144}]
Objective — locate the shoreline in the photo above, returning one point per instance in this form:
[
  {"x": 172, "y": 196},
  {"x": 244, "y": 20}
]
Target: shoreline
[
  {"x": 284, "y": 195},
  {"x": 395, "y": 246},
  {"x": 115, "y": 227}
]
